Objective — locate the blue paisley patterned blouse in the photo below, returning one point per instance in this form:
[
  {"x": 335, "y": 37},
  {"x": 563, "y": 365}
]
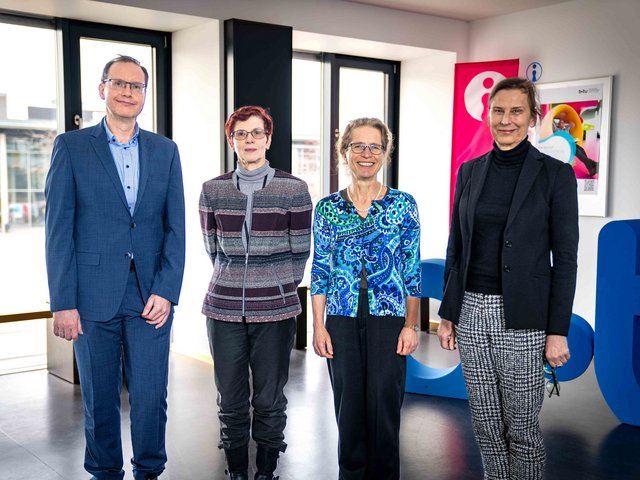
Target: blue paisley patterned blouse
[{"x": 388, "y": 240}]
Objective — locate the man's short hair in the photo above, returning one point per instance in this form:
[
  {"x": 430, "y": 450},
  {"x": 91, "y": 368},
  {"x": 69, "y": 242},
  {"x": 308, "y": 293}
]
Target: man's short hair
[{"x": 124, "y": 59}]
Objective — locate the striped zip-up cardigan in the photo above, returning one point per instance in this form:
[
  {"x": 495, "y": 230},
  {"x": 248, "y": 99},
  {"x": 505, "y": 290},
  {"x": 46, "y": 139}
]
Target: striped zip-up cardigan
[{"x": 261, "y": 283}]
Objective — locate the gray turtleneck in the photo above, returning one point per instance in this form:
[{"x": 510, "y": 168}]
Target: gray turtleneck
[{"x": 248, "y": 182}]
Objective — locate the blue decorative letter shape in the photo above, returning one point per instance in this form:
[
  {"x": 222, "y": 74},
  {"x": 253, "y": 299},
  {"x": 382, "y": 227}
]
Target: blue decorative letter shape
[
  {"x": 617, "y": 337},
  {"x": 442, "y": 382}
]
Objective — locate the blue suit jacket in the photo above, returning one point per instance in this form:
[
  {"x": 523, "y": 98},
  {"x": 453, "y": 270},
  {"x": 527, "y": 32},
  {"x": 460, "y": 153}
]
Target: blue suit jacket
[{"x": 91, "y": 235}]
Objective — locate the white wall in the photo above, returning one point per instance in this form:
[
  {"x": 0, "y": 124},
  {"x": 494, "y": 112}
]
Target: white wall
[
  {"x": 575, "y": 40},
  {"x": 330, "y": 17},
  {"x": 196, "y": 129},
  {"x": 426, "y": 111}
]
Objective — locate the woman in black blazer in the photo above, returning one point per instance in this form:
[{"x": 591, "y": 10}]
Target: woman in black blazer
[{"x": 510, "y": 279}]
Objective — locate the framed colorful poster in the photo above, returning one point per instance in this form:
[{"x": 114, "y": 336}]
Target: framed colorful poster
[{"x": 575, "y": 129}]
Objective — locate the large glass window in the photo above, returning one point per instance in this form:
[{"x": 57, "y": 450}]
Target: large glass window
[
  {"x": 27, "y": 128},
  {"x": 90, "y": 46},
  {"x": 29, "y": 115},
  {"x": 363, "y": 87},
  {"x": 306, "y": 123},
  {"x": 329, "y": 91},
  {"x": 363, "y": 93},
  {"x": 94, "y": 54},
  {"x": 28, "y": 125}
]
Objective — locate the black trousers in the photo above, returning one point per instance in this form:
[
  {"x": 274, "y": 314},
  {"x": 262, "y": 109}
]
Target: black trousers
[
  {"x": 263, "y": 348},
  {"x": 368, "y": 380}
]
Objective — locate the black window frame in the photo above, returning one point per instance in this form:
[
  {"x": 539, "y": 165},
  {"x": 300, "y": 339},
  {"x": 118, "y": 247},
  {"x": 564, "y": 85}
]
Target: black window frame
[
  {"x": 333, "y": 62},
  {"x": 73, "y": 30}
]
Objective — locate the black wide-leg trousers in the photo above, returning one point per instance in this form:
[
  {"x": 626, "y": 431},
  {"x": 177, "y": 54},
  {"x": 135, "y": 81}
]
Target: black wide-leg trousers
[
  {"x": 262, "y": 349},
  {"x": 368, "y": 380}
]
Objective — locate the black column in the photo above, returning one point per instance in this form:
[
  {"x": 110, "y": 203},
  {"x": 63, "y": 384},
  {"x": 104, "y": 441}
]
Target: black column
[{"x": 258, "y": 72}]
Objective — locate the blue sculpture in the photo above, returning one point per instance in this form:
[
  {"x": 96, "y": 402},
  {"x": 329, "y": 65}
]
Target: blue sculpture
[
  {"x": 615, "y": 344},
  {"x": 449, "y": 382},
  {"x": 617, "y": 333},
  {"x": 441, "y": 382}
]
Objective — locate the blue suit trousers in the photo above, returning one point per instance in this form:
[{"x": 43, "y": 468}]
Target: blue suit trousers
[{"x": 100, "y": 353}]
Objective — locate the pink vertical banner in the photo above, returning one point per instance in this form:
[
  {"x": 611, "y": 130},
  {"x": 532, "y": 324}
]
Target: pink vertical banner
[{"x": 471, "y": 135}]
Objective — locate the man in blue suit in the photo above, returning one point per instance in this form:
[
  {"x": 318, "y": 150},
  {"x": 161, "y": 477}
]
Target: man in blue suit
[{"x": 115, "y": 257}]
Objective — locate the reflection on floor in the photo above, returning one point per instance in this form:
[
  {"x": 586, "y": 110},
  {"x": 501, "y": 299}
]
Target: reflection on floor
[
  {"x": 23, "y": 346},
  {"x": 41, "y": 430}
]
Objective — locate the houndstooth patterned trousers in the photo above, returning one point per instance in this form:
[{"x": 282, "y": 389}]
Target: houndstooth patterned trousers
[{"x": 505, "y": 382}]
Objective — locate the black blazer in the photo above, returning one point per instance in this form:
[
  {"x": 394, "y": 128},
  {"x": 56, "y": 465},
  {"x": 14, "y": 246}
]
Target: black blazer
[{"x": 540, "y": 243}]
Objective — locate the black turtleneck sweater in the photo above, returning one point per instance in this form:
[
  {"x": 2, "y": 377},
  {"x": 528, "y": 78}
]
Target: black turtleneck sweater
[{"x": 485, "y": 272}]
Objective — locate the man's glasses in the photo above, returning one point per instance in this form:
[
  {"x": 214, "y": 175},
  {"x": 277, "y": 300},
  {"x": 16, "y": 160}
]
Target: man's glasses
[
  {"x": 552, "y": 386},
  {"x": 256, "y": 133},
  {"x": 374, "y": 148},
  {"x": 117, "y": 84}
]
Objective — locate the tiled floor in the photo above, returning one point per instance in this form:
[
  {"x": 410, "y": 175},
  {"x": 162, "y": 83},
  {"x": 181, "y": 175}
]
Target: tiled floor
[{"x": 41, "y": 433}]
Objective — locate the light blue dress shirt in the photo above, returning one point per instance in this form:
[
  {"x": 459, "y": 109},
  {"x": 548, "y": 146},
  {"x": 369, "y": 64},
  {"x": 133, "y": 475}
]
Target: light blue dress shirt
[{"x": 126, "y": 157}]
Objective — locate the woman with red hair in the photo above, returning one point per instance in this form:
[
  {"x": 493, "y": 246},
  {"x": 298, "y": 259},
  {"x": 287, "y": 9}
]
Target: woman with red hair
[{"x": 256, "y": 223}]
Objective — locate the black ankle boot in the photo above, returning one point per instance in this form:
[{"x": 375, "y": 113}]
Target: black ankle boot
[
  {"x": 237, "y": 463},
  {"x": 236, "y": 476},
  {"x": 266, "y": 462},
  {"x": 590, "y": 165}
]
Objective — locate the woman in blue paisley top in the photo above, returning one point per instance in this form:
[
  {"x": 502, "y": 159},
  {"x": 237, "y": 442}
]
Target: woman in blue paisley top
[{"x": 366, "y": 278}]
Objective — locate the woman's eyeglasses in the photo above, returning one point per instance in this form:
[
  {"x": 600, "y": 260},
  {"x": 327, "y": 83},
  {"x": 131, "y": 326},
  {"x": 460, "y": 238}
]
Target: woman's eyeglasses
[
  {"x": 374, "y": 148},
  {"x": 552, "y": 386},
  {"x": 256, "y": 133}
]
